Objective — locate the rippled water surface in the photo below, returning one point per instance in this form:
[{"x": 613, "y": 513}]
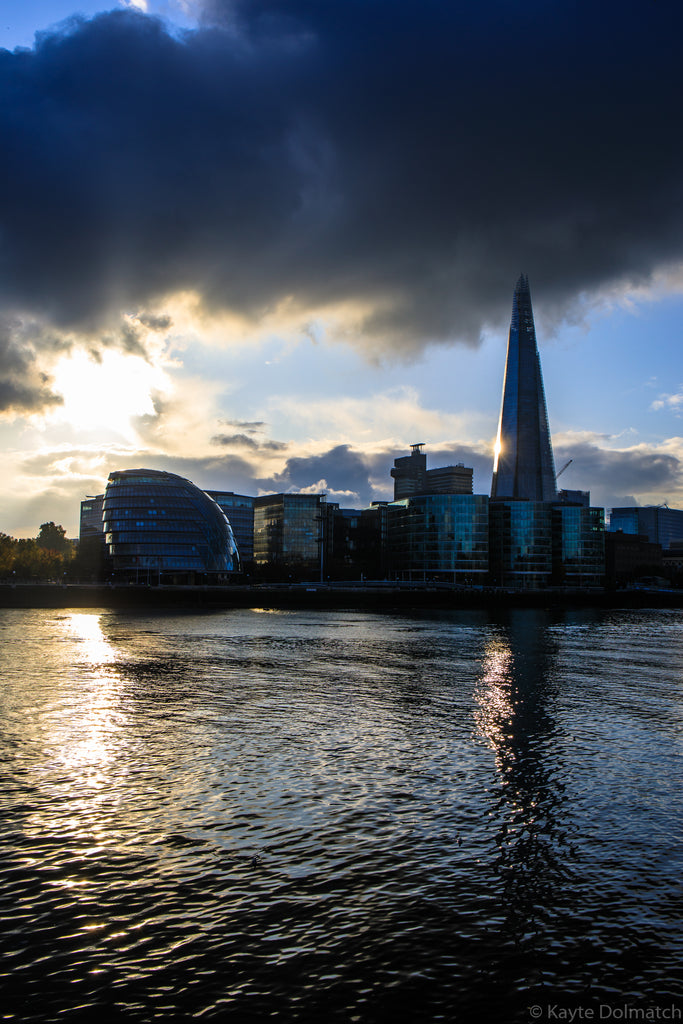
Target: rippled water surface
[{"x": 339, "y": 816}]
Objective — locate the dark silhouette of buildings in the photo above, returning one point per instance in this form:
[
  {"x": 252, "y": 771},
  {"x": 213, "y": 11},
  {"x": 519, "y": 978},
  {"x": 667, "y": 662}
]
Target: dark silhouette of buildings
[{"x": 411, "y": 476}]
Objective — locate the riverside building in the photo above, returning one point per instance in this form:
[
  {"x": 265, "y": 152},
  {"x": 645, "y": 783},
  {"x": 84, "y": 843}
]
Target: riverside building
[
  {"x": 436, "y": 528},
  {"x": 293, "y": 535},
  {"x": 93, "y": 556},
  {"x": 239, "y": 509},
  {"x": 439, "y": 538},
  {"x": 523, "y": 465},
  {"x": 161, "y": 528},
  {"x": 658, "y": 523},
  {"x": 537, "y": 537}
]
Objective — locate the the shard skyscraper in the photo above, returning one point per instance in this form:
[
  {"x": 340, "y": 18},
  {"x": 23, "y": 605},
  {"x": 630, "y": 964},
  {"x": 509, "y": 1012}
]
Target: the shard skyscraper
[{"x": 523, "y": 466}]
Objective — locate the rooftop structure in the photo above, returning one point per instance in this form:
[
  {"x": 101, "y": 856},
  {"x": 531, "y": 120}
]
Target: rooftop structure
[{"x": 411, "y": 476}]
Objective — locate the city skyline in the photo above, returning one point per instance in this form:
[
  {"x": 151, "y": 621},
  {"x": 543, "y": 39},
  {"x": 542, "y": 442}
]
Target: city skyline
[{"x": 248, "y": 252}]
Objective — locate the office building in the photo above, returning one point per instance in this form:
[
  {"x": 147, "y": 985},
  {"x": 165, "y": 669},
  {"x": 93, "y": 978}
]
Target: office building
[
  {"x": 92, "y": 559},
  {"x": 523, "y": 466},
  {"x": 658, "y": 523},
  {"x": 578, "y": 545},
  {"x": 239, "y": 510},
  {"x": 411, "y": 476},
  {"x": 91, "y": 517},
  {"x": 356, "y": 544},
  {"x": 630, "y": 556},
  {"x": 521, "y": 543},
  {"x": 575, "y": 497},
  {"x": 160, "y": 527},
  {"x": 293, "y": 535},
  {"x": 450, "y": 480},
  {"x": 410, "y": 473},
  {"x": 439, "y": 538}
]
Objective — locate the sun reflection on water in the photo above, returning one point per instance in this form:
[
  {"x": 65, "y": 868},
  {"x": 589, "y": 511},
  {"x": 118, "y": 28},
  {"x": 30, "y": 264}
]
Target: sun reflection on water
[
  {"x": 86, "y": 734},
  {"x": 79, "y": 748},
  {"x": 85, "y": 628},
  {"x": 495, "y": 711}
]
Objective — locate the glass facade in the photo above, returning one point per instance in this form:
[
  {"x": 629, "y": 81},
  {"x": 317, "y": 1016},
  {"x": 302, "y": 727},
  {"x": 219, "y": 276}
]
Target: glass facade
[
  {"x": 626, "y": 520},
  {"x": 288, "y": 533},
  {"x": 524, "y": 466},
  {"x": 439, "y": 538},
  {"x": 578, "y": 545},
  {"x": 157, "y": 523},
  {"x": 521, "y": 548},
  {"x": 661, "y": 525},
  {"x": 91, "y": 517},
  {"x": 357, "y": 551},
  {"x": 93, "y": 557},
  {"x": 239, "y": 508}
]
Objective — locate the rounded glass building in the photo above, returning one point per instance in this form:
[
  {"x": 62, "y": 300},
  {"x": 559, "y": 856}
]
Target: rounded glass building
[{"x": 160, "y": 527}]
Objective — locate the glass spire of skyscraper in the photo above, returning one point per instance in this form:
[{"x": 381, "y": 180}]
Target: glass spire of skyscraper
[{"x": 523, "y": 466}]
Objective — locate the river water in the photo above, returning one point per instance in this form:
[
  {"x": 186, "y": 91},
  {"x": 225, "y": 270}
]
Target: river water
[{"x": 300, "y": 816}]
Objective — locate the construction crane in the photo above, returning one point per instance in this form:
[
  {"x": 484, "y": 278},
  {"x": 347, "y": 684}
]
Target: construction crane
[{"x": 563, "y": 468}]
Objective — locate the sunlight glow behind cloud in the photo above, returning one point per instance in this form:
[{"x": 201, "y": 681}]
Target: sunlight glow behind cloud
[{"x": 105, "y": 394}]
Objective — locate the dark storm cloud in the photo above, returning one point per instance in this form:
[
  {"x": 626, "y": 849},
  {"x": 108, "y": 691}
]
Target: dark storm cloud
[
  {"x": 614, "y": 471},
  {"x": 24, "y": 387},
  {"x": 413, "y": 156},
  {"x": 226, "y": 472},
  {"x": 342, "y": 469}
]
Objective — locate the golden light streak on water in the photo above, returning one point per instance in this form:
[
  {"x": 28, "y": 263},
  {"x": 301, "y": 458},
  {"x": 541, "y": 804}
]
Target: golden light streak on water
[
  {"x": 85, "y": 738},
  {"x": 494, "y": 704}
]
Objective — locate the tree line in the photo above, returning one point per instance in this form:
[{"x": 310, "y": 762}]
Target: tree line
[{"x": 48, "y": 556}]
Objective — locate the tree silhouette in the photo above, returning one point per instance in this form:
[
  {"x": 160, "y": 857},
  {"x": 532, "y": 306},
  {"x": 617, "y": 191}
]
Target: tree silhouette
[{"x": 53, "y": 538}]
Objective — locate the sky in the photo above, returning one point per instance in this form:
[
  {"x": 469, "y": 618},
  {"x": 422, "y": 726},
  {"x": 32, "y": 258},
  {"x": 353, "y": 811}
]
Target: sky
[{"x": 269, "y": 244}]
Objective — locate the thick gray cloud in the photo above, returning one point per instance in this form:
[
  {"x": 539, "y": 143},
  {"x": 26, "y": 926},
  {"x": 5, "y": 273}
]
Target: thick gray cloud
[
  {"x": 24, "y": 387},
  {"x": 414, "y": 157},
  {"x": 342, "y": 469},
  {"x": 612, "y": 474}
]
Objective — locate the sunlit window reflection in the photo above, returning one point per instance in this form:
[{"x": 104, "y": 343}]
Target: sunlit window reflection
[{"x": 497, "y": 449}]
